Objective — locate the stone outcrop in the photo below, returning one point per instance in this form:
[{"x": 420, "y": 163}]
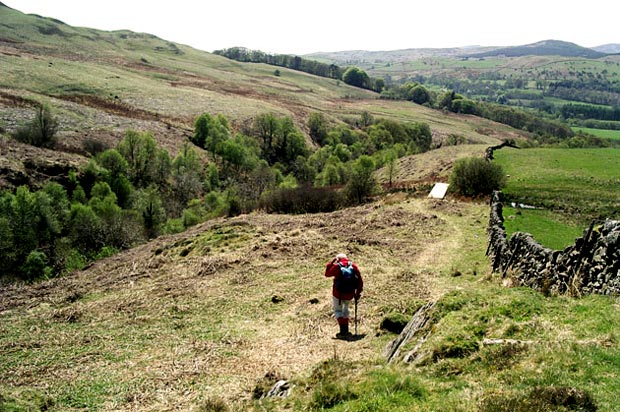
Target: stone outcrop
[{"x": 591, "y": 265}]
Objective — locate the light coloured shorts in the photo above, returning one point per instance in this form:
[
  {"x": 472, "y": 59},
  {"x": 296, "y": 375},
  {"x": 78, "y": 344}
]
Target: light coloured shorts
[{"x": 341, "y": 307}]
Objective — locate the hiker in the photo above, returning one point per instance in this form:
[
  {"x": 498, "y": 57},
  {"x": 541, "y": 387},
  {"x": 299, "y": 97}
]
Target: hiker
[{"x": 348, "y": 285}]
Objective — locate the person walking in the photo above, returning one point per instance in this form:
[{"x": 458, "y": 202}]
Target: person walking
[{"x": 348, "y": 285}]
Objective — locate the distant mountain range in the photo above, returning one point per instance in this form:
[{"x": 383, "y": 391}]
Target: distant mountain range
[
  {"x": 612, "y": 48},
  {"x": 541, "y": 48}
]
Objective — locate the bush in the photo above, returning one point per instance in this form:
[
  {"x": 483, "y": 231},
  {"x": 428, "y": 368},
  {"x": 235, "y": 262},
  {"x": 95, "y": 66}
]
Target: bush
[
  {"x": 362, "y": 183},
  {"x": 476, "y": 176},
  {"x": 94, "y": 146},
  {"x": 302, "y": 200},
  {"x": 41, "y": 131},
  {"x": 35, "y": 266}
]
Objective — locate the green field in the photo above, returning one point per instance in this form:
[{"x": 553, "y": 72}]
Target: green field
[
  {"x": 605, "y": 134},
  {"x": 575, "y": 186},
  {"x": 551, "y": 230}
]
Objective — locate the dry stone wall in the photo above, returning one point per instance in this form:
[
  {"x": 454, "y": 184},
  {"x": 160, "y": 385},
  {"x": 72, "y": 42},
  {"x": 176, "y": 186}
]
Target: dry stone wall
[{"x": 591, "y": 265}]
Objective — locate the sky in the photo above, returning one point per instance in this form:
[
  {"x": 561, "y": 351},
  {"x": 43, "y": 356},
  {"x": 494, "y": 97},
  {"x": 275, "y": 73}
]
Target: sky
[{"x": 303, "y": 27}]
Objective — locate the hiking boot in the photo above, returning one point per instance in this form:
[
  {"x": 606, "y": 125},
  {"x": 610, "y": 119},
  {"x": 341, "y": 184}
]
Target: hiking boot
[{"x": 344, "y": 332}]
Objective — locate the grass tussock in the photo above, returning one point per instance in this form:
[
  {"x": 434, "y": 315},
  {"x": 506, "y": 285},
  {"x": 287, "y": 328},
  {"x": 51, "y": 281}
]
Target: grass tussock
[{"x": 541, "y": 399}]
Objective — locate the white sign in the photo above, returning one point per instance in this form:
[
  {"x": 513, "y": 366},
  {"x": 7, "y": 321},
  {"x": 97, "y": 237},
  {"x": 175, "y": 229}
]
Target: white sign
[{"x": 439, "y": 191}]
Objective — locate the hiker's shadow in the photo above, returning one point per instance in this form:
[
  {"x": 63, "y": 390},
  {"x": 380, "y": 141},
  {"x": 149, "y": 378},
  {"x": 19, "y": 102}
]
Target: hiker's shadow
[{"x": 354, "y": 338}]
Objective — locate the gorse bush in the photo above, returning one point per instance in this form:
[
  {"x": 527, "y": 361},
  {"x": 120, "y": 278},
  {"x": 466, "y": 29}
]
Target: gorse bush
[{"x": 474, "y": 176}]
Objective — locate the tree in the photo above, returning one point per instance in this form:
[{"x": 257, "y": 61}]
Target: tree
[
  {"x": 147, "y": 202},
  {"x": 475, "y": 176},
  {"x": 318, "y": 127},
  {"x": 265, "y": 128},
  {"x": 391, "y": 165},
  {"x": 211, "y": 132},
  {"x": 379, "y": 85},
  {"x": 7, "y": 247},
  {"x": 329, "y": 176},
  {"x": 141, "y": 153},
  {"x": 24, "y": 221},
  {"x": 419, "y": 94},
  {"x": 342, "y": 152},
  {"x": 464, "y": 106},
  {"x": 445, "y": 101},
  {"x": 187, "y": 172},
  {"x": 380, "y": 136},
  {"x": 234, "y": 157},
  {"x": 356, "y": 77},
  {"x": 85, "y": 229},
  {"x": 35, "y": 266},
  {"x": 119, "y": 228},
  {"x": 362, "y": 183},
  {"x": 117, "y": 167},
  {"x": 420, "y": 137}
]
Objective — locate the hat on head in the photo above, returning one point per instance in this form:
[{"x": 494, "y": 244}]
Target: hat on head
[{"x": 341, "y": 256}]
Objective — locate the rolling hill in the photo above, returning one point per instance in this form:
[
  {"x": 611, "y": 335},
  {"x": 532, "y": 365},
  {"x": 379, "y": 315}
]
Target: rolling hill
[
  {"x": 543, "y": 48},
  {"x": 612, "y": 48},
  {"x": 103, "y": 83},
  {"x": 208, "y": 319}
]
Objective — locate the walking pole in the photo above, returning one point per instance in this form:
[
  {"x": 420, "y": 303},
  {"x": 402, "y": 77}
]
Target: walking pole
[{"x": 356, "y": 316}]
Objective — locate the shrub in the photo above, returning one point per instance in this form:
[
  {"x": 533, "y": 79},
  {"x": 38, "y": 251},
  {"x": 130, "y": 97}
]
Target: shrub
[
  {"x": 94, "y": 146},
  {"x": 302, "y": 200},
  {"x": 476, "y": 176},
  {"x": 35, "y": 266},
  {"x": 41, "y": 131}
]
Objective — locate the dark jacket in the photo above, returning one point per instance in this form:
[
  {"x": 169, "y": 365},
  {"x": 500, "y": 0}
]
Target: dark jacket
[{"x": 332, "y": 269}]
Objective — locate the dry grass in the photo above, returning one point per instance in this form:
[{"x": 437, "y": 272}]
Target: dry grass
[{"x": 156, "y": 329}]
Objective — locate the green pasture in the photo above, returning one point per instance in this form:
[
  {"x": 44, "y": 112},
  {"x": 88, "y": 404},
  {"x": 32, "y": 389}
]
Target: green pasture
[
  {"x": 551, "y": 230},
  {"x": 602, "y": 133},
  {"x": 573, "y": 186}
]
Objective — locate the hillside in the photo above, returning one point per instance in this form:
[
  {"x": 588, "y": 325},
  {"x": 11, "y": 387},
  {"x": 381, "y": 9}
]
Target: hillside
[
  {"x": 194, "y": 316},
  {"x": 208, "y": 319},
  {"x": 612, "y": 48},
  {"x": 556, "y": 80},
  {"x": 355, "y": 57},
  {"x": 102, "y": 83},
  {"x": 542, "y": 48}
]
